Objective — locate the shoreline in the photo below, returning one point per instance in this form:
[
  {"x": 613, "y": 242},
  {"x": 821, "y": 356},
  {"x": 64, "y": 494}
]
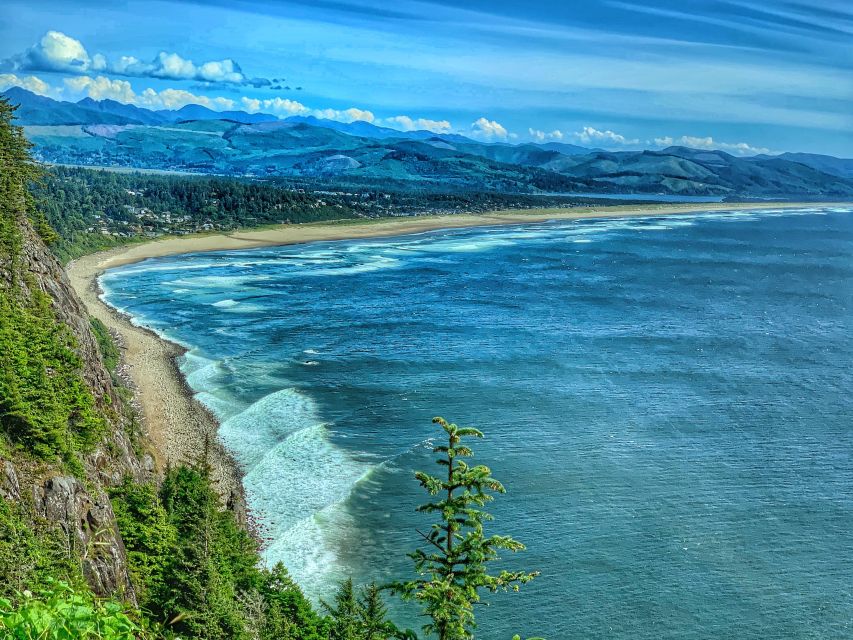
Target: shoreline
[
  {"x": 178, "y": 426},
  {"x": 357, "y": 229}
]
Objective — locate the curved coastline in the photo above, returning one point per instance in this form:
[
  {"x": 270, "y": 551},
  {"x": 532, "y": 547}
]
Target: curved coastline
[{"x": 179, "y": 427}]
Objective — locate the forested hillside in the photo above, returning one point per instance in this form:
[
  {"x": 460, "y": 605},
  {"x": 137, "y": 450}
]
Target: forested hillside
[{"x": 96, "y": 209}]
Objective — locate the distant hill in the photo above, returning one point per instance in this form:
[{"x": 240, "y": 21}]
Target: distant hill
[
  {"x": 128, "y": 112},
  {"x": 198, "y": 139},
  {"x": 198, "y": 112},
  {"x": 842, "y": 167},
  {"x": 39, "y": 110}
]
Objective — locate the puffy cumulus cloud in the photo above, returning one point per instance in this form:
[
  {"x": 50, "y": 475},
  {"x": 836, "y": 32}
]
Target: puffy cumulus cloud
[
  {"x": 488, "y": 129},
  {"x": 345, "y": 115},
  {"x": 405, "y": 123},
  {"x": 541, "y": 136},
  {"x": 102, "y": 88},
  {"x": 590, "y": 135},
  {"x": 707, "y": 142},
  {"x": 171, "y": 66},
  {"x": 177, "y": 98},
  {"x": 54, "y": 52},
  {"x": 57, "y": 51},
  {"x": 30, "y": 83},
  {"x": 278, "y": 106}
]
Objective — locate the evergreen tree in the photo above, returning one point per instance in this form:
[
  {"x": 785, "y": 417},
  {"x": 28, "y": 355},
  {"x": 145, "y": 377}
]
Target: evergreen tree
[
  {"x": 373, "y": 616},
  {"x": 289, "y": 615},
  {"x": 346, "y": 623},
  {"x": 458, "y": 551}
]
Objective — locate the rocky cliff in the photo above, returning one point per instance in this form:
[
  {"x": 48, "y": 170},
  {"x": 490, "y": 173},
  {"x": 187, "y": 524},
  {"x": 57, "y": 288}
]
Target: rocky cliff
[{"x": 77, "y": 504}]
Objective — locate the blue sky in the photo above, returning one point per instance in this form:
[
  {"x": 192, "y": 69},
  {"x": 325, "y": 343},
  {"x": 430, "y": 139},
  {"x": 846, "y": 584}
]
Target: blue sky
[{"x": 742, "y": 75}]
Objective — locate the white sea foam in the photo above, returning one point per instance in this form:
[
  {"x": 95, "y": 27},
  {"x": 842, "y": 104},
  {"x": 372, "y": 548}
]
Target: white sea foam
[
  {"x": 251, "y": 433},
  {"x": 296, "y": 481},
  {"x": 201, "y": 373}
]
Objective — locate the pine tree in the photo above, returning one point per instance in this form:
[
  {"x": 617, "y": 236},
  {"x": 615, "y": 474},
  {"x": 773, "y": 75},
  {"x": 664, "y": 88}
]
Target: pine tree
[
  {"x": 346, "y": 622},
  {"x": 458, "y": 551},
  {"x": 373, "y": 614}
]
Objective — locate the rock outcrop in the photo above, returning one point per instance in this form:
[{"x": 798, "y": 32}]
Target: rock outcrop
[{"x": 78, "y": 506}]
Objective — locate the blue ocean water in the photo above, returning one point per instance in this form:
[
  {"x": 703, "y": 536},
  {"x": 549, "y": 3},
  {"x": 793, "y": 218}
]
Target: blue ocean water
[{"x": 667, "y": 400}]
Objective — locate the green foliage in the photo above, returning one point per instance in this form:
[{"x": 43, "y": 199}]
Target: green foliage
[
  {"x": 148, "y": 537},
  {"x": 361, "y": 617},
  {"x": 45, "y": 405},
  {"x": 32, "y": 552},
  {"x": 17, "y": 170},
  {"x": 106, "y": 345},
  {"x": 458, "y": 550},
  {"x": 197, "y": 571},
  {"x": 58, "y": 612},
  {"x": 288, "y": 614},
  {"x": 211, "y": 561},
  {"x": 96, "y": 210}
]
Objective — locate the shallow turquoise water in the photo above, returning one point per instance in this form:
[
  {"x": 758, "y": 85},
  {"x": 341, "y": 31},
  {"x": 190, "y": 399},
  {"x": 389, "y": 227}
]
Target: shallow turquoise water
[{"x": 667, "y": 400}]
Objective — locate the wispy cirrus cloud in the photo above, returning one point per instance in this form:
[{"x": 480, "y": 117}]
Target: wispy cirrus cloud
[{"x": 59, "y": 52}]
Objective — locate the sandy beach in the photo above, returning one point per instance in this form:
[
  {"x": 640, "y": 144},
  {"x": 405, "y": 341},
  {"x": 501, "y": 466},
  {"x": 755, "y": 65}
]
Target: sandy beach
[{"x": 178, "y": 426}]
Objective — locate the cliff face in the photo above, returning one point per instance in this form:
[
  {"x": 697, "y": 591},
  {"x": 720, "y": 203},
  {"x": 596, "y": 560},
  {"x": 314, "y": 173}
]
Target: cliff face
[{"x": 79, "y": 506}]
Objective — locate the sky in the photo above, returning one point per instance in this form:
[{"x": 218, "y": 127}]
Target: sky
[{"x": 745, "y": 76}]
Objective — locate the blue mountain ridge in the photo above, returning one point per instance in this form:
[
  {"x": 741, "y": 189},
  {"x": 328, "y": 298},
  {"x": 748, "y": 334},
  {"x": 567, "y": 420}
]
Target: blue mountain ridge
[{"x": 237, "y": 143}]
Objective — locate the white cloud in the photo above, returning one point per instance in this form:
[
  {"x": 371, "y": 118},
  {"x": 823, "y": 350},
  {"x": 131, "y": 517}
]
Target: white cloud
[
  {"x": 30, "y": 83},
  {"x": 405, "y": 123},
  {"x": 177, "y": 98},
  {"x": 346, "y": 115},
  {"x": 590, "y": 135},
  {"x": 707, "y": 142},
  {"x": 54, "y": 52},
  {"x": 102, "y": 88},
  {"x": 57, "y": 51},
  {"x": 221, "y": 71},
  {"x": 488, "y": 129},
  {"x": 541, "y": 136},
  {"x": 284, "y": 108},
  {"x": 279, "y": 106}
]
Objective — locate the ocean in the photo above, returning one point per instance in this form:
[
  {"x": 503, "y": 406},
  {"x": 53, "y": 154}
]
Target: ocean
[{"x": 666, "y": 399}]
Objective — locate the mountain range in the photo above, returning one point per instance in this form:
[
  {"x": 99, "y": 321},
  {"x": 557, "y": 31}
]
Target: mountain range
[{"x": 195, "y": 138}]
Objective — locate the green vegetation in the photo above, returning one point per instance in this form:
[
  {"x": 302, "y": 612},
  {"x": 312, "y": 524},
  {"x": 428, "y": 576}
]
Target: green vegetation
[
  {"x": 361, "y": 617},
  {"x": 107, "y": 347},
  {"x": 46, "y": 408},
  {"x": 95, "y": 209},
  {"x": 33, "y": 553},
  {"x": 197, "y": 569},
  {"x": 459, "y": 550},
  {"x": 60, "y": 612}
]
